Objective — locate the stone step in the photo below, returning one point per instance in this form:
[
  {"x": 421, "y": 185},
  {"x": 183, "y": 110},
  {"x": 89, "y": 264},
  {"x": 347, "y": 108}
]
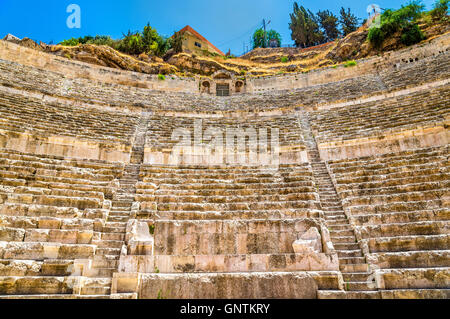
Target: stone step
[
  {"x": 346, "y": 246},
  {"x": 416, "y": 294},
  {"x": 349, "y": 253},
  {"x": 96, "y": 286},
  {"x": 340, "y": 227},
  {"x": 356, "y": 277},
  {"x": 112, "y": 229},
  {"x": 222, "y": 263},
  {"x": 105, "y": 263},
  {"x": 340, "y": 233},
  {"x": 108, "y": 243},
  {"x": 352, "y": 268},
  {"x": 285, "y": 285},
  {"x": 116, "y": 224},
  {"x": 55, "y": 297},
  {"x": 107, "y": 251},
  {"x": 118, "y": 218},
  {"x": 360, "y": 286},
  {"x": 112, "y": 236},
  {"x": 126, "y": 204},
  {"x": 339, "y": 294},
  {"x": 104, "y": 272},
  {"x": 351, "y": 260},
  {"x": 343, "y": 239},
  {"x": 30, "y": 285}
]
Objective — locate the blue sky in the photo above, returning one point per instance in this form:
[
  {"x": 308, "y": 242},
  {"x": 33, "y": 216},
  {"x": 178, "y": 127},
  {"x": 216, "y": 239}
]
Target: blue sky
[{"x": 227, "y": 23}]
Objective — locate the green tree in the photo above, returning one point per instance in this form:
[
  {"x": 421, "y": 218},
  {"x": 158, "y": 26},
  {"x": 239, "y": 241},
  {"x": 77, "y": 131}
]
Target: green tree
[
  {"x": 403, "y": 20},
  {"x": 304, "y": 26},
  {"x": 176, "y": 42},
  {"x": 348, "y": 21},
  {"x": 273, "y": 35},
  {"x": 259, "y": 39},
  {"x": 440, "y": 9},
  {"x": 329, "y": 23},
  {"x": 131, "y": 43},
  {"x": 70, "y": 42}
]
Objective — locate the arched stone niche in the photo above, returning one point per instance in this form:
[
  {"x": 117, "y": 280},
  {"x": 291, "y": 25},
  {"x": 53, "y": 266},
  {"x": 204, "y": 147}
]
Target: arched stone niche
[{"x": 222, "y": 83}]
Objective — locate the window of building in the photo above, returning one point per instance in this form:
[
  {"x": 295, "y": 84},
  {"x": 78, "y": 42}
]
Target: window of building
[{"x": 198, "y": 44}]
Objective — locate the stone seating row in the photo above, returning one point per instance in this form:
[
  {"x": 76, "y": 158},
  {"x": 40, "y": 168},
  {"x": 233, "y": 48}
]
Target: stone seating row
[
  {"x": 422, "y": 71},
  {"x": 227, "y": 193},
  {"x": 26, "y": 114},
  {"x": 399, "y": 206},
  {"x": 53, "y": 214},
  {"x": 427, "y": 108}
]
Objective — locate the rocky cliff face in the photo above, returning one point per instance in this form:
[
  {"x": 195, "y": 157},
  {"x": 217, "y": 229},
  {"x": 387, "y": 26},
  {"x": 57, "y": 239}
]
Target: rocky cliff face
[{"x": 106, "y": 56}]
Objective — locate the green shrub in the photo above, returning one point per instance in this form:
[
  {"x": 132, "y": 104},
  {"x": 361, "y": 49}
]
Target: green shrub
[
  {"x": 148, "y": 41},
  {"x": 284, "y": 59},
  {"x": 70, "y": 43},
  {"x": 412, "y": 35},
  {"x": 161, "y": 77},
  {"x": 376, "y": 37},
  {"x": 350, "y": 63},
  {"x": 393, "y": 21},
  {"x": 440, "y": 10}
]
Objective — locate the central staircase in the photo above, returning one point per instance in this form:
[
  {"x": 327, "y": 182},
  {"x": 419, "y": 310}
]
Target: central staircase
[
  {"x": 352, "y": 263},
  {"x": 109, "y": 247}
]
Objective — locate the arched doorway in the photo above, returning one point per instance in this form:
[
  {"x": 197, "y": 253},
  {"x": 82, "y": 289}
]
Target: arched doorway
[
  {"x": 206, "y": 87},
  {"x": 238, "y": 86}
]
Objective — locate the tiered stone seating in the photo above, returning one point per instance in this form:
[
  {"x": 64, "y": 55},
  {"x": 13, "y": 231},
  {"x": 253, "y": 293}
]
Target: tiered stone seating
[
  {"x": 412, "y": 73},
  {"x": 423, "y": 71},
  {"x": 52, "y": 212},
  {"x": 232, "y": 220},
  {"x": 24, "y": 114},
  {"x": 160, "y": 142},
  {"x": 399, "y": 206},
  {"x": 223, "y": 193},
  {"x": 423, "y": 109}
]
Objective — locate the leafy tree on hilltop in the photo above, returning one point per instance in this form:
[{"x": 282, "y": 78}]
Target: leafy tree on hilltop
[
  {"x": 440, "y": 10},
  {"x": 273, "y": 35},
  {"x": 329, "y": 23},
  {"x": 348, "y": 21},
  {"x": 403, "y": 20},
  {"x": 258, "y": 39},
  {"x": 304, "y": 25},
  {"x": 176, "y": 42}
]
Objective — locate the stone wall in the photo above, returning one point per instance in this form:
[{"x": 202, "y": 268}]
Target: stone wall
[{"x": 389, "y": 61}]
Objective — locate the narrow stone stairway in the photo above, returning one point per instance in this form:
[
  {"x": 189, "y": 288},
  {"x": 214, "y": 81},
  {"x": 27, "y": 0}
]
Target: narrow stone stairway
[
  {"x": 109, "y": 247},
  {"x": 352, "y": 263}
]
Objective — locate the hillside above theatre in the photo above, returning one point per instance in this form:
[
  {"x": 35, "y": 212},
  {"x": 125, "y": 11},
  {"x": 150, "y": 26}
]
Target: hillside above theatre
[{"x": 258, "y": 62}]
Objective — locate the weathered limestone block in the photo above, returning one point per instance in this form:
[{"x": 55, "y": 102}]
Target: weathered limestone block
[
  {"x": 20, "y": 268},
  {"x": 229, "y": 263},
  {"x": 96, "y": 213},
  {"x": 295, "y": 285},
  {"x": 37, "y": 285},
  {"x": 138, "y": 238},
  {"x": 11, "y": 234},
  {"x": 427, "y": 278},
  {"x": 41, "y": 251},
  {"x": 309, "y": 242},
  {"x": 135, "y": 207}
]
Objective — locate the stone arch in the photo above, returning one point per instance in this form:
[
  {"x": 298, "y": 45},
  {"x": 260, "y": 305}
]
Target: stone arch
[
  {"x": 223, "y": 75},
  {"x": 205, "y": 86},
  {"x": 239, "y": 85}
]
